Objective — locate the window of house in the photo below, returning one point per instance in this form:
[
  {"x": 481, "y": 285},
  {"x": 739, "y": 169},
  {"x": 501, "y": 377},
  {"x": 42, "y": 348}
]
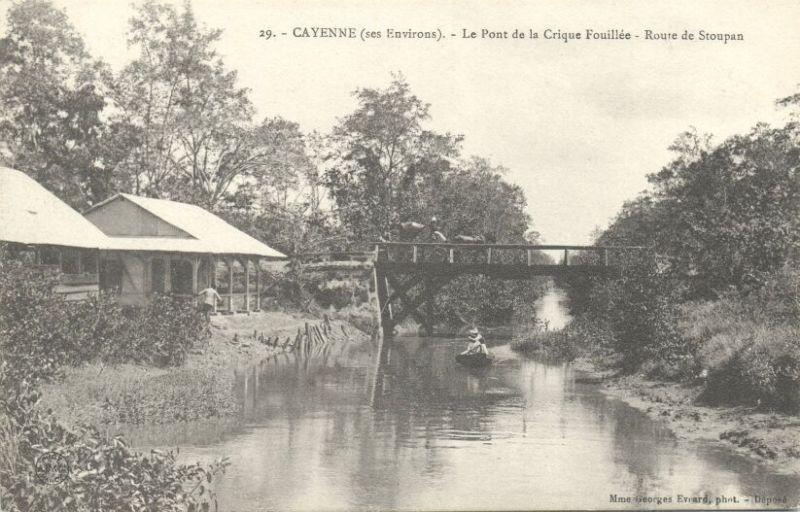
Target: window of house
[
  {"x": 49, "y": 256},
  {"x": 71, "y": 261}
]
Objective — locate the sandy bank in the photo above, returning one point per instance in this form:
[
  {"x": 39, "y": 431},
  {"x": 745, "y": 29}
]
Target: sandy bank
[{"x": 773, "y": 438}]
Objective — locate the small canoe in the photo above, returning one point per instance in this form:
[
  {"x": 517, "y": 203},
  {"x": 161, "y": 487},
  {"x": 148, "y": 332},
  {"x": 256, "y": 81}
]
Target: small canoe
[{"x": 478, "y": 360}]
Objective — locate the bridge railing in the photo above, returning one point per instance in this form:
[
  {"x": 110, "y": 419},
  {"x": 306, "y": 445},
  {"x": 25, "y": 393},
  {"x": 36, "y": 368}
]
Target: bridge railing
[
  {"x": 334, "y": 256},
  {"x": 497, "y": 254}
]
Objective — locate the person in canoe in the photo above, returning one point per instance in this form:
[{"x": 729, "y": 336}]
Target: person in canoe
[
  {"x": 476, "y": 355},
  {"x": 477, "y": 343}
]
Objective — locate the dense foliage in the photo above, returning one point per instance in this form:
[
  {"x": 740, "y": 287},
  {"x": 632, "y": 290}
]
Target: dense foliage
[
  {"x": 50, "y": 120},
  {"x": 88, "y": 472},
  {"x": 40, "y": 331},
  {"x": 714, "y": 291},
  {"x": 384, "y": 162}
]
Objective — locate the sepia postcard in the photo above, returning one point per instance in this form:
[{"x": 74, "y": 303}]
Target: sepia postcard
[{"x": 314, "y": 255}]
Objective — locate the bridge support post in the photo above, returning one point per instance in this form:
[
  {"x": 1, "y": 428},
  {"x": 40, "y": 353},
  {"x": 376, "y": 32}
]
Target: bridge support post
[
  {"x": 428, "y": 297},
  {"x": 385, "y": 320}
]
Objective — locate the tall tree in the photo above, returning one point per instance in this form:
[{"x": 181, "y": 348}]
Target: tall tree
[
  {"x": 381, "y": 155},
  {"x": 720, "y": 215},
  {"x": 194, "y": 120},
  {"x": 51, "y": 97},
  {"x": 475, "y": 199},
  {"x": 280, "y": 200}
]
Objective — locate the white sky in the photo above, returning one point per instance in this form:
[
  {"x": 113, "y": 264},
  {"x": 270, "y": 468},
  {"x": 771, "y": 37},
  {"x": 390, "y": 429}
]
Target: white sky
[{"x": 578, "y": 124}]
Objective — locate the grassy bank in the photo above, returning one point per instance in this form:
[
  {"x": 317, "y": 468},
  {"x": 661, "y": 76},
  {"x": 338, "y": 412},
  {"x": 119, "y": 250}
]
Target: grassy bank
[{"x": 114, "y": 396}]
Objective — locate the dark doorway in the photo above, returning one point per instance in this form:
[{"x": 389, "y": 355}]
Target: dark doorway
[
  {"x": 111, "y": 275},
  {"x": 181, "y": 274},
  {"x": 157, "y": 272}
]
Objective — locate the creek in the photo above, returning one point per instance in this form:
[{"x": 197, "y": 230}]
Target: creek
[{"x": 405, "y": 427}]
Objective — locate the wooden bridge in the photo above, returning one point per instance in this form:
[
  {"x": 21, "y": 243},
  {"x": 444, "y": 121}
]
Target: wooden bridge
[{"x": 408, "y": 275}]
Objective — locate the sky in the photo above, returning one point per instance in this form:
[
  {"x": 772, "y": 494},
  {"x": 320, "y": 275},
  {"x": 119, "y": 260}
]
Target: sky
[{"x": 578, "y": 124}]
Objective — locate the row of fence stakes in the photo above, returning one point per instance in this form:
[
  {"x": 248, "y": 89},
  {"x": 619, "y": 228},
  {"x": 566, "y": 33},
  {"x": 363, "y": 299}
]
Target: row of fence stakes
[{"x": 314, "y": 335}]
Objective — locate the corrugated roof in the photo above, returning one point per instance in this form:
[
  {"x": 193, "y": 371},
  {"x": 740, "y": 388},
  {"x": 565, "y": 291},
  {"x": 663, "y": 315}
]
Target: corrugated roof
[
  {"x": 212, "y": 234},
  {"x": 30, "y": 214}
]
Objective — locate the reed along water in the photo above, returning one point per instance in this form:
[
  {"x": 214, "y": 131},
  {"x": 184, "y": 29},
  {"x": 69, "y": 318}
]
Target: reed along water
[{"x": 357, "y": 426}]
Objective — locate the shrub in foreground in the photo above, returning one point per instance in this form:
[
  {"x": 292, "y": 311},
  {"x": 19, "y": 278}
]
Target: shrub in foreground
[
  {"x": 749, "y": 344},
  {"x": 45, "y": 466}
]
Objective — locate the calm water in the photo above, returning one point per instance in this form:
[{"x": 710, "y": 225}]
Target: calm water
[{"x": 404, "y": 427}]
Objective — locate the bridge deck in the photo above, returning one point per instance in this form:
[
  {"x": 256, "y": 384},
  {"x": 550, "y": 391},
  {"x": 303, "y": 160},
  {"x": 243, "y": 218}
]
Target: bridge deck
[
  {"x": 407, "y": 275},
  {"x": 509, "y": 261},
  {"x": 496, "y": 270}
]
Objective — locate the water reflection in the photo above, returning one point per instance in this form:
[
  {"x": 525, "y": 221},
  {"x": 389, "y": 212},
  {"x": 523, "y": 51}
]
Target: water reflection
[{"x": 403, "y": 426}]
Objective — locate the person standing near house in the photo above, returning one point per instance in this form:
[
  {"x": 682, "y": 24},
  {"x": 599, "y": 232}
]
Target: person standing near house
[{"x": 208, "y": 300}]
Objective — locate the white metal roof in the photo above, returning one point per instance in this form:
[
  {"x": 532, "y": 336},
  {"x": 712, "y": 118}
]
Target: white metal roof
[
  {"x": 30, "y": 214},
  {"x": 211, "y": 234}
]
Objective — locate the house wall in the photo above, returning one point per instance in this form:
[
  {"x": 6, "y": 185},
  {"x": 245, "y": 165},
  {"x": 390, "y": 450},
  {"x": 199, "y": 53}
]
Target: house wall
[
  {"x": 77, "y": 279},
  {"x": 137, "y": 280},
  {"x": 124, "y": 218}
]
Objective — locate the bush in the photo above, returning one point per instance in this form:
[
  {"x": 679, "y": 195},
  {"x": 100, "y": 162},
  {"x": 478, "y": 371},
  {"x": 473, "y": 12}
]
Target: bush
[
  {"x": 558, "y": 345},
  {"x": 752, "y": 363},
  {"x": 37, "y": 332},
  {"x": 778, "y": 297},
  {"x": 580, "y": 337},
  {"x": 750, "y": 344},
  {"x": 89, "y": 471},
  {"x": 40, "y": 331},
  {"x": 161, "y": 333},
  {"x": 637, "y": 317}
]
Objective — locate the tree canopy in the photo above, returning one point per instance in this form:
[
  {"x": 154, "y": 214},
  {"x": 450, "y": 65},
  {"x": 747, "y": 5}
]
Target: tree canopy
[{"x": 50, "y": 120}]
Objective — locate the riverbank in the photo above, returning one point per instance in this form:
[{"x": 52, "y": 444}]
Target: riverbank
[
  {"x": 113, "y": 396},
  {"x": 771, "y": 437}
]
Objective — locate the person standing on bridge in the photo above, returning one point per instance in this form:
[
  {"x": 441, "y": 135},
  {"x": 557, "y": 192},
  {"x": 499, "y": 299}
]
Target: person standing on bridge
[
  {"x": 434, "y": 224},
  {"x": 436, "y": 234}
]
